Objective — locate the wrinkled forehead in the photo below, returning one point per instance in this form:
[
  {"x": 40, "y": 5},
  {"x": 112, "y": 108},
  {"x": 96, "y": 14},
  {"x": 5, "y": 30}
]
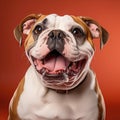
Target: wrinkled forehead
[{"x": 56, "y": 21}]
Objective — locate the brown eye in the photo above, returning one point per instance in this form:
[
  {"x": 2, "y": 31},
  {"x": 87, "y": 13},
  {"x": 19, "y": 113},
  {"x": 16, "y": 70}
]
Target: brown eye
[
  {"x": 38, "y": 29},
  {"x": 77, "y": 32}
]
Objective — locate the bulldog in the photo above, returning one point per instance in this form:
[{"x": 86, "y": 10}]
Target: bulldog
[{"x": 59, "y": 84}]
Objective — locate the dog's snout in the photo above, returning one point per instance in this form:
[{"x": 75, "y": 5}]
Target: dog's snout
[
  {"x": 56, "y": 40},
  {"x": 56, "y": 34}
]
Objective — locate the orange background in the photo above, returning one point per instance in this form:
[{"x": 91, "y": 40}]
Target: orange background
[{"x": 106, "y": 62}]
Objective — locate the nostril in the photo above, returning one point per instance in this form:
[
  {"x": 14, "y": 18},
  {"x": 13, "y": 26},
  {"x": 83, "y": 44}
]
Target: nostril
[
  {"x": 61, "y": 35},
  {"x": 51, "y": 35}
]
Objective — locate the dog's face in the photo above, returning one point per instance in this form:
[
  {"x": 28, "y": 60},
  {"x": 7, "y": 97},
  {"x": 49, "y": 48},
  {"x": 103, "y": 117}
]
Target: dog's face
[{"x": 60, "y": 48}]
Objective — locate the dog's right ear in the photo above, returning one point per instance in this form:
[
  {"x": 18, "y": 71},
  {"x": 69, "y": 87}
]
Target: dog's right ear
[
  {"x": 25, "y": 26},
  {"x": 97, "y": 31}
]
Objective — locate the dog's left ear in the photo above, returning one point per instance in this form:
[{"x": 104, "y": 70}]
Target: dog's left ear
[
  {"x": 96, "y": 30},
  {"x": 25, "y": 26}
]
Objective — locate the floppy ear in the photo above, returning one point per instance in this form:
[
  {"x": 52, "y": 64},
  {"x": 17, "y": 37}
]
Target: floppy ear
[
  {"x": 25, "y": 26},
  {"x": 96, "y": 30}
]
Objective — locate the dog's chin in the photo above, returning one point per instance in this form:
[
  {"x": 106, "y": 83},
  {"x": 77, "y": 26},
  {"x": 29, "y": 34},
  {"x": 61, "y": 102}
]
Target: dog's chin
[{"x": 58, "y": 72}]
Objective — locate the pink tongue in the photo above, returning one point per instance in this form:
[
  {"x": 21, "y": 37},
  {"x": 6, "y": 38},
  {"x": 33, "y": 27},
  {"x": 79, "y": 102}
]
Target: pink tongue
[{"x": 54, "y": 64}]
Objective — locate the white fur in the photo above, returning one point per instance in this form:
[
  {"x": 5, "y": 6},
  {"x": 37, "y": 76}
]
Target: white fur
[{"x": 39, "y": 103}]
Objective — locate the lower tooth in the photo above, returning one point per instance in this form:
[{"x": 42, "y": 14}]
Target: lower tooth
[
  {"x": 43, "y": 71},
  {"x": 66, "y": 77}
]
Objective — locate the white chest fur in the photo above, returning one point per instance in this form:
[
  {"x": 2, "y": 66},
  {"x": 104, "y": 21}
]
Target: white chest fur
[{"x": 40, "y": 103}]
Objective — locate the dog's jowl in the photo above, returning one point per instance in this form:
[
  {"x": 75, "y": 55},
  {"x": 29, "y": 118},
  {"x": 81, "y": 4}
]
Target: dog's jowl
[{"x": 59, "y": 84}]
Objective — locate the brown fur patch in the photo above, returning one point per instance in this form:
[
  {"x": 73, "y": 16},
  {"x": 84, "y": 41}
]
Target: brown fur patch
[
  {"x": 100, "y": 106},
  {"x": 79, "y": 21},
  {"x": 29, "y": 40},
  {"x": 13, "y": 110}
]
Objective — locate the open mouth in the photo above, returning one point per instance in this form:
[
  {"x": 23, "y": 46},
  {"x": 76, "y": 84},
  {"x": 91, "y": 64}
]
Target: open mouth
[{"x": 56, "y": 68}]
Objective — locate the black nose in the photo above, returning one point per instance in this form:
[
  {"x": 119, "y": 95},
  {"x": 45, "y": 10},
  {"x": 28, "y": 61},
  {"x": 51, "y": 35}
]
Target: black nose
[
  {"x": 56, "y": 34},
  {"x": 56, "y": 40}
]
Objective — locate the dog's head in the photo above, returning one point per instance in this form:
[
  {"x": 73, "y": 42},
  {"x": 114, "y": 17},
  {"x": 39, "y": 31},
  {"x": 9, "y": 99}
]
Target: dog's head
[{"x": 60, "y": 48}]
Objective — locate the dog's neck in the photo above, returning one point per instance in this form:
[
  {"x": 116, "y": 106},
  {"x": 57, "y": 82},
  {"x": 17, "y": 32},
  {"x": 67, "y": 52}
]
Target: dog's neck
[{"x": 69, "y": 91}]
